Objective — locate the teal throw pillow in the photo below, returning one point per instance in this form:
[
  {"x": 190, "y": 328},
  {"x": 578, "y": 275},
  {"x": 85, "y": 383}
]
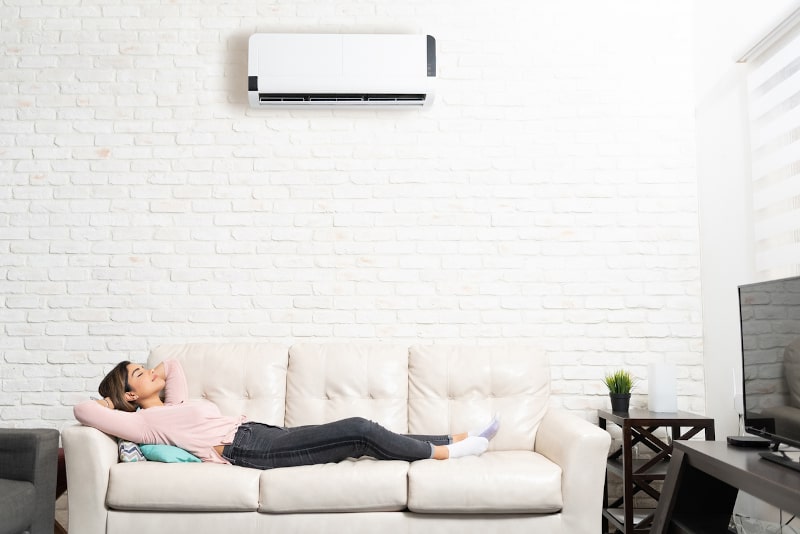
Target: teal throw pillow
[{"x": 167, "y": 453}]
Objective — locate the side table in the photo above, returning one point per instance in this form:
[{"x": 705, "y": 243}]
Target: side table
[
  {"x": 639, "y": 426},
  {"x": 61, "y": 486}
]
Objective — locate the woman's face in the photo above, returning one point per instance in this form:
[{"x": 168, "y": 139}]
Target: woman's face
[{"x": 143, "y": 383}]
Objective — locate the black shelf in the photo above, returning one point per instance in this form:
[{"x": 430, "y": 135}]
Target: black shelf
[{"x": 616, "y": 517}]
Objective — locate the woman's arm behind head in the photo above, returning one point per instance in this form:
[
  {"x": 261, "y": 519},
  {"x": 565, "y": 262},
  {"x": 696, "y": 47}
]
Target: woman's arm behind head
[{"x": 125, "y": 425}]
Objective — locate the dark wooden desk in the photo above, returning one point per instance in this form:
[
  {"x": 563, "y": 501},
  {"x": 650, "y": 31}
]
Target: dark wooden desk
[
  {"x": 639, "y": 426},
  {"x": 704, "y": 478}
]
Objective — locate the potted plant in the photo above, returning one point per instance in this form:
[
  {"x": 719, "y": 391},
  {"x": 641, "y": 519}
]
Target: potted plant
[{"x": 620, "y": 383}]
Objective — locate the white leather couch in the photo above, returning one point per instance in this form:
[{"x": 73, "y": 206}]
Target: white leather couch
[{"x": 543, "y": 472}]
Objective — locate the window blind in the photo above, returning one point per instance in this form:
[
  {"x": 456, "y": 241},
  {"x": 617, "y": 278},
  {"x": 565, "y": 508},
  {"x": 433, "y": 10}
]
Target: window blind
[{"x": 774, "y": 105}]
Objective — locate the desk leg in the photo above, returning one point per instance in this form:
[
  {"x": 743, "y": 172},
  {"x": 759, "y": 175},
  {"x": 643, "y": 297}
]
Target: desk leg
[
  {"x": 666, "y": 504},
  {"x": 692, "y": 498}
]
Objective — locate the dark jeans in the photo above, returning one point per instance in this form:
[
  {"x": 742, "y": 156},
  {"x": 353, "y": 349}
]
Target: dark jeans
[{"x": 266, "y": 447}]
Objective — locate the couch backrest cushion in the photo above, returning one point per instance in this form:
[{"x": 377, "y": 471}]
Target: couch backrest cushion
[
  {"x": 334, "y": 381},
  {"x": 457, "y": 388},
  {"x": 241, "y": 378}
]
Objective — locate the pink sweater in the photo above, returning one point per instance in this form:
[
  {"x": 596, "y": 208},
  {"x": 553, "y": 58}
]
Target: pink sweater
[{"x": 195, "y": 426}]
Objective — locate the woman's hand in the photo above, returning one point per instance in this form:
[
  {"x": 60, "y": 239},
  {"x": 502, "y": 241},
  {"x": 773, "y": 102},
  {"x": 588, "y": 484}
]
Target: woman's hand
[{"x": 106, "y": 402}]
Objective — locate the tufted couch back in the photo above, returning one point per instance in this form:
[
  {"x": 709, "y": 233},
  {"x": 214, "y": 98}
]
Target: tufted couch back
[
  {"x": 435, "y": 389},
  {"x": 453, "y": 388},
  {"x": 334, "y": 381},
  {"x": 240, "y": 378}
]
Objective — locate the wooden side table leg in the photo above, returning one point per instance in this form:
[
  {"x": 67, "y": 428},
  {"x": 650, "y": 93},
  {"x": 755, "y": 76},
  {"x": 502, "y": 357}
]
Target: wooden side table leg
[{"x": 627, "y": 479}]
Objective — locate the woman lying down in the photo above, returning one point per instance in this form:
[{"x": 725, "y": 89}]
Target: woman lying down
[{"x": 132, "y": 409}]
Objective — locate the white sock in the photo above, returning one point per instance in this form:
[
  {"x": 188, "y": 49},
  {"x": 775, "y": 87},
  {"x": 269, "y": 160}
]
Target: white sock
[
  {"x": 490, "y": 430},
  {"x": 471, "y": 446}
]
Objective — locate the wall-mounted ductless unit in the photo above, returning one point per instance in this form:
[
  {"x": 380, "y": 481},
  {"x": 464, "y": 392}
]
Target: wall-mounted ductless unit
[{"x": 334, "y": 70}]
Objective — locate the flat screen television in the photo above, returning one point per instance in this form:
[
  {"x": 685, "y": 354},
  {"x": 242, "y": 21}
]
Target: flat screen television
[{"x": 770, "y": 321}]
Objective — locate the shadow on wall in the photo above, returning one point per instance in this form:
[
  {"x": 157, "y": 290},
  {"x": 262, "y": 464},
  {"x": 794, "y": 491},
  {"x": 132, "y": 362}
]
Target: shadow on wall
[{"x": 236, "y": 68}]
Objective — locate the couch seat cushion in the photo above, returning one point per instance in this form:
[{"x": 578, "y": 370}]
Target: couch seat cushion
[
  {"x": 364, "y": 485},
  {"x": 182, "y": 486},
  {"x": 495, "y": 482}
]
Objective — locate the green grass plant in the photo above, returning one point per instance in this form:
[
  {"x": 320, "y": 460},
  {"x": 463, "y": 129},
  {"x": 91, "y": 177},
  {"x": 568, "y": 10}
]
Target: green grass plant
[{"x": 620, "y": 381}]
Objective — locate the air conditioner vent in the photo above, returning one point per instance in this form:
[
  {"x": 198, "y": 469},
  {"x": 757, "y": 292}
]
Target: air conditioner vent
[{"x": 333, "y": 98}]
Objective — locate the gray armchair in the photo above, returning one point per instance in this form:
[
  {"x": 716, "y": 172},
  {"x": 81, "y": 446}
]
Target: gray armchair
[{"x": 28, "y": 466}]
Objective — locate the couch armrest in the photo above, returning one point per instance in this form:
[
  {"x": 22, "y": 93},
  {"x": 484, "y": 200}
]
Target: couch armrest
[
  {"x": 581, "y": 449},
  {"x": 32, "y": 455},
  {"x": 89, "y": 456}
]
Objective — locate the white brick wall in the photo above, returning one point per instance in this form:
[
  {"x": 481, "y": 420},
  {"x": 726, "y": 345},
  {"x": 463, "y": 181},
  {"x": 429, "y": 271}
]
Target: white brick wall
[{"x": 548, "y": 197}]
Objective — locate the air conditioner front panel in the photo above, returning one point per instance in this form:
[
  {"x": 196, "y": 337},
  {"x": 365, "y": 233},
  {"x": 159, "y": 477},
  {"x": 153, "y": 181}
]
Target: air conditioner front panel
[
  {"x": 388, "y": 57},
  {"x": 292, "y": 57},
  {"x": 364, "y": 69}
]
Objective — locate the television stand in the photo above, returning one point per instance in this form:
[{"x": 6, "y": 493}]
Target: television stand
[
  {"x": 704, "y": 478},
  {"x": 781, "y": 459}
]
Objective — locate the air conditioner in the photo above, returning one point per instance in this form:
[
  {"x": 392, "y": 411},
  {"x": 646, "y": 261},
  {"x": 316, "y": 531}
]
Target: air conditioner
[{"x": 332, "y": 70}]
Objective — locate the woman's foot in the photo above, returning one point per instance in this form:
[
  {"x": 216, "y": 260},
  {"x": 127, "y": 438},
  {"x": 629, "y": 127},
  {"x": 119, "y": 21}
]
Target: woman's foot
[
  {"x": 490, "y": 430},
  {"x": 471, "y": 446}
]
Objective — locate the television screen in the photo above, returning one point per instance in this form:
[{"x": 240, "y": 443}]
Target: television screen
[{"x": 770, "y": 320}]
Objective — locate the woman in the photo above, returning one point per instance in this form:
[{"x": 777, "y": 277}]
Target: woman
[{"x": 152, "y": 406}]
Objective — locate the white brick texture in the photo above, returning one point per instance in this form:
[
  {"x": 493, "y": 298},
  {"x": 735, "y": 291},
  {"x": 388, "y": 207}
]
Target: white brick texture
[{"x": 548, "y": 196}]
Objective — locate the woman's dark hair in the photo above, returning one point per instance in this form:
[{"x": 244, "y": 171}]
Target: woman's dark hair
[{"x": 115, "y": 385}]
